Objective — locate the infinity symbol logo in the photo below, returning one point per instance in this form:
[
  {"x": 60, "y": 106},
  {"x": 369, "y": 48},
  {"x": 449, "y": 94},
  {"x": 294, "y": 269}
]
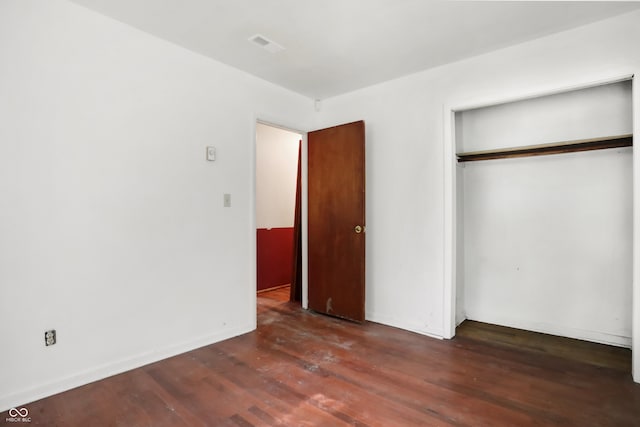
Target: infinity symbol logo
[{"x": 22, "y": 412}]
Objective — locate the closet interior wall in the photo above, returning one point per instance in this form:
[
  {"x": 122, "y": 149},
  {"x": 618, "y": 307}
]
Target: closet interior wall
[{"x": 545, "y": 243}]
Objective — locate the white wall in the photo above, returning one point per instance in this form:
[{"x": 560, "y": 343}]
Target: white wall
[
  {"x": 598, "y": 111},
  {"x": 548, "y": 244},
  {"x": 409, "y": 184},
  {"x": 276, "y": 176},
  {"x": 112, "y": 221},
  {"x": 547, "y": 240}
]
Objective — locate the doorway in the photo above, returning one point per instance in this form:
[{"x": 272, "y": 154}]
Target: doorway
[
  {"x": 333, "y": 147},
  {"x": 277, "y": 185}
]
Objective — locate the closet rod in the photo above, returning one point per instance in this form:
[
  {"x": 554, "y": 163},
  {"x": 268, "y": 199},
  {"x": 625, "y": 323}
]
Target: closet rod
[{"x": 553, "y": 148}]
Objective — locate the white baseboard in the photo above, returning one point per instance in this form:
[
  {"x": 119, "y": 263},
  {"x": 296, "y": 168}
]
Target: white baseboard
[
  {"x": 23, "y": 397},
  {"x": 404, "y": 324}
]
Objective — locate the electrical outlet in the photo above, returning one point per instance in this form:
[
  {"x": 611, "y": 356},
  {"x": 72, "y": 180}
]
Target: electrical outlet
[{"x": 50, "y": 337}]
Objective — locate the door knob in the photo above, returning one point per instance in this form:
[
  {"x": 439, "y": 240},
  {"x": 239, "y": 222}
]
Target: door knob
[{"x": 358, "y": 229}]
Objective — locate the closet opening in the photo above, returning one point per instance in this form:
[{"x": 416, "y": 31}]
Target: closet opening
[{"x": 544, "y": 214}]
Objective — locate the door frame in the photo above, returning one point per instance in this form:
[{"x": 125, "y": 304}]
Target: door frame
[
  {"x": 450, "y": 247},
  {"x": 276, "y": 123}
]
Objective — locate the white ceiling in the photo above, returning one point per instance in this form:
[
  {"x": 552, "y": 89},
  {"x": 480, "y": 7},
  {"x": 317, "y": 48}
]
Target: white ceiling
[{"x": 336, "y": 46}]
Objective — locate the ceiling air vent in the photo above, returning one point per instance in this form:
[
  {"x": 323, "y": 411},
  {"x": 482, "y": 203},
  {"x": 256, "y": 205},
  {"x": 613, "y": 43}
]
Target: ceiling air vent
[{"x": 265, "y": 43}]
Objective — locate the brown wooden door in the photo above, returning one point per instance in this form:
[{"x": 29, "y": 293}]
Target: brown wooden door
[
  {"x": 295, "y": 292},
  {"x": 336, "y": 221}
]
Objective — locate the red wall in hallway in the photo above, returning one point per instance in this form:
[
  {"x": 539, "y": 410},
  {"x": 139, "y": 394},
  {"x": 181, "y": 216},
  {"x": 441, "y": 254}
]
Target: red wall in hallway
[{"x": 275, "y": 256}]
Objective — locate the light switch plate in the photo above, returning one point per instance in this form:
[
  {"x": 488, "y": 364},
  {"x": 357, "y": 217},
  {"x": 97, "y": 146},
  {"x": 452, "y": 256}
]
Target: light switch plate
[
  {"x": 227, "y": 200},
  {"x": 211, "y": 153}
]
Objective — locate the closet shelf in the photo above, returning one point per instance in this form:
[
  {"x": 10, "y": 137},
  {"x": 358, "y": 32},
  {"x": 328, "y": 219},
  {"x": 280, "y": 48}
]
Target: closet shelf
[{"x": 546, "y": 149}]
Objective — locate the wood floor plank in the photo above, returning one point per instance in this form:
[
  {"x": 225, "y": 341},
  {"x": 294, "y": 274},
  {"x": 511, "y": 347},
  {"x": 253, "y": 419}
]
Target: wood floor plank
[
  {"x": 385, "y": 370},
  {"x": 303, "y": 369},
  {"x": 258, "y": 387},
  {"x": 329, "y": 391},
  {"x": 386, "y": 381}
]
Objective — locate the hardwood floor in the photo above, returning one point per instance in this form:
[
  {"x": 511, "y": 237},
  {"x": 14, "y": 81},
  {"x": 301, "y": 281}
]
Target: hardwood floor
[
  {"x": 304, "y": 369},
  {"x": 605, "y": 356}
]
